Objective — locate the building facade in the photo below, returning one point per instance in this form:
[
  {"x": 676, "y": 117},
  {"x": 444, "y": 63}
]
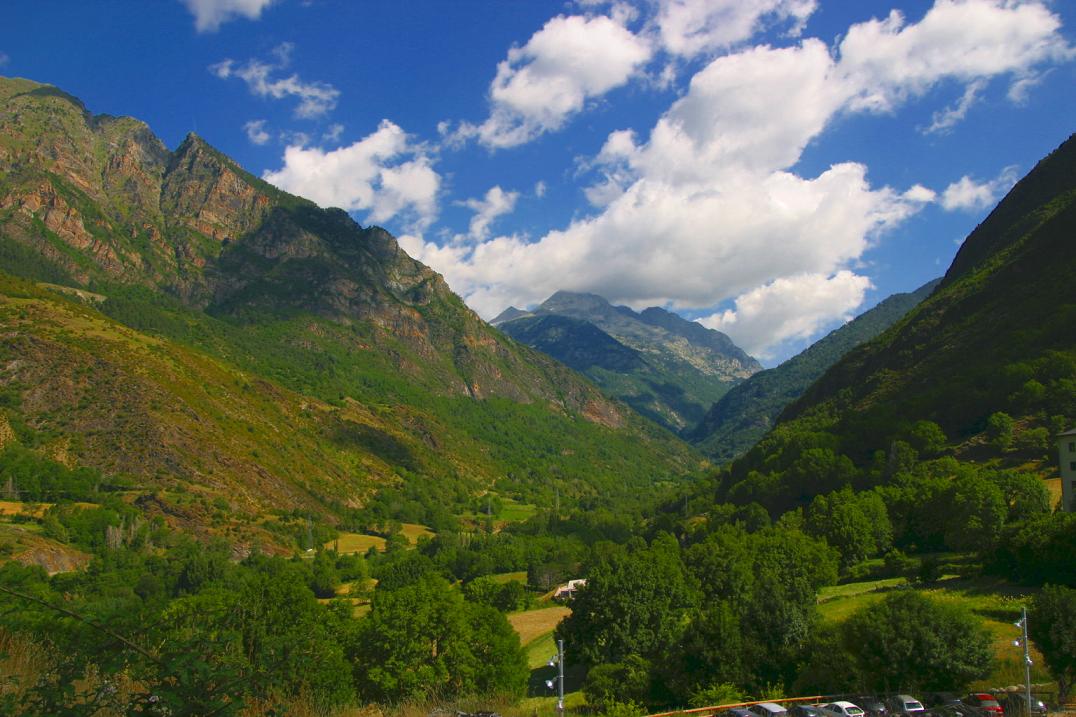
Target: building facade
[{"x": 1066, "y": 453}]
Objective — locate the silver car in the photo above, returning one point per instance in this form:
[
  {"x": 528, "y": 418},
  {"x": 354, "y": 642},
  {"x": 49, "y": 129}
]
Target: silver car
[{"x": 842, "y": 708}]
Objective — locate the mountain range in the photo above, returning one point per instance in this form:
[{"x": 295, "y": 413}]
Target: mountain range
[
  {"x": 174, "y": 321},
  {"x": 667, "y": 368}
]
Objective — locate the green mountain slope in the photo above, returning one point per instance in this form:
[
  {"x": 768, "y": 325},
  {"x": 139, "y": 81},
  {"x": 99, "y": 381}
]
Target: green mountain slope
[
  {"x": 665, "y": 367},
  {"x": 256, "y": 348},
  {"x": 998, "y": 336},
  {"x": 747, "y": 411}
]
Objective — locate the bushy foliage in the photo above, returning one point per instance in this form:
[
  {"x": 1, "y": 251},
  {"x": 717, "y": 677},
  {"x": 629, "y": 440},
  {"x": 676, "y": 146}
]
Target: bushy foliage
[
  {"x": 423, "y": 638},
  {"x": 855, "y": 524},
  {"x": 612, "y": 683},
  {"x": 633, "y": 603},
  {"x": 1038, "y": 551},
  {"x": 906, "y": 641},
  {"x": 1052, "y": 627}
]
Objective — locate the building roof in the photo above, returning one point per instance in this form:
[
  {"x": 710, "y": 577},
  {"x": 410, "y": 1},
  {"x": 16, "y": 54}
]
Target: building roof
[{"x": 1070, "y": 432}]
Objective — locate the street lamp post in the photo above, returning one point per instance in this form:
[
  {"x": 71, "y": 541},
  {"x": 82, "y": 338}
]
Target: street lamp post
[
  {"x": 559, "y": 660},
  {"x": 1022, "y": 623}
]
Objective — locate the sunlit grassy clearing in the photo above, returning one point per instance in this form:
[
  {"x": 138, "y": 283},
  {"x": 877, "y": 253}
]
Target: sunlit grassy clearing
[
  {"x": 519, "y": 577},
  {"x": 414, "y": 531},
  {"x": 534, "y": 623},
  {"x": 349, "y": 543}
]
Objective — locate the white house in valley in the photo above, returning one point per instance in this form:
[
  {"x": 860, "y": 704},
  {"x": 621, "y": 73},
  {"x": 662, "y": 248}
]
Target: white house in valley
[{"x": 567, "y": 591}]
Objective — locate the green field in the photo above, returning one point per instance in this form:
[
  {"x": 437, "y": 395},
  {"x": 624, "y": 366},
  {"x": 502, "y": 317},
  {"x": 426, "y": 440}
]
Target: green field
[
  {"x": 504, "y": 510},
  {"x": 348, "y": 543}
]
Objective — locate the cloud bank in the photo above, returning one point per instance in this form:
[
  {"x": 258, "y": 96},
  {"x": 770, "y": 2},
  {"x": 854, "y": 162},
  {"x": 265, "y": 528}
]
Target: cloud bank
[{"x": 707, "y": 209}]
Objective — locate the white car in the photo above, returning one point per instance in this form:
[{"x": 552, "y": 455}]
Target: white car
[{"x": 842, "y": 709}]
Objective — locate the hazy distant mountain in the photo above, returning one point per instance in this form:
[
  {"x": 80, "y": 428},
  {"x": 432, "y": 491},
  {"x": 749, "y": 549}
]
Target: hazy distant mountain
[
  {"x": 747, "y": 411},
  {"x": 664, "y": 366}
]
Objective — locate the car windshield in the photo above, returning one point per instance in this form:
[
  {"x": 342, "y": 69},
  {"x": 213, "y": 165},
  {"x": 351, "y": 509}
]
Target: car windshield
[
  {"x": 854, "y": 711},
  {"x": 912, "y": 706}
]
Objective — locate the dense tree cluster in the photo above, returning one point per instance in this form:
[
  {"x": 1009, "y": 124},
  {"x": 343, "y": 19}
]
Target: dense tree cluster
[{"x": 185, "y": 628}]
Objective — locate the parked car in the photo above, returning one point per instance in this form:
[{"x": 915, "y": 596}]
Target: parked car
[
  {"x": 768, "y": 709},
  {"x": 1015, "y": 705},
  {"x": 985, "y": 702},
  {"x": 958, "y": 709},
  {"x": 805, "y": 711},
  {"x": 938, "y": 699},
  {"x": 843, "y": 708},
  {"x": 874, "y": 707},
  {"x": 905, "y": 705}
]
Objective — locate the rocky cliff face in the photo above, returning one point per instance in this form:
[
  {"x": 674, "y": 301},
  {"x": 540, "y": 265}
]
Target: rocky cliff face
[{"x": 100, "y": 200}]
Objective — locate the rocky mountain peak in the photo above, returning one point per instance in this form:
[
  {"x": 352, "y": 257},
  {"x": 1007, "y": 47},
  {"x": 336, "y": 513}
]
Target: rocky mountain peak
[{"x": 666, "y": 367}]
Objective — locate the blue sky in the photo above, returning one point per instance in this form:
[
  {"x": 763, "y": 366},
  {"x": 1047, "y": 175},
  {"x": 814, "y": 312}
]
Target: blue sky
[{"x": 769, "y": 167}]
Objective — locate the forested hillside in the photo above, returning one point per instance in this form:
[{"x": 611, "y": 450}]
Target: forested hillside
[
  {"x": 748, "y": 410},
  {"x": 235, "y": 351},
  {"x": 946, "y": 421}
]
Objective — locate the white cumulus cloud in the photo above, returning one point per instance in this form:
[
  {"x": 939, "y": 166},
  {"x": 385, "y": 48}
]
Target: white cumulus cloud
[
  {"x": 542, "y": 84},
  {"x": 690, "y": 246},
  {"x": 966, "y": 194},
  {"x": 382, "y": 173},
  {"x": 314, "y": 98},
  {"x": 789, "y": 308},
  {"x": 209, "y": 15},
  {"x": 497, "y": 202},
  {"x": 691, "y": 27},
  {"x": 889, "y": 60}
]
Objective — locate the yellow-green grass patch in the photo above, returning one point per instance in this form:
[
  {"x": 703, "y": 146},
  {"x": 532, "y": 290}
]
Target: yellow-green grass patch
[
  {"x": 837, "y": 592},
  {"x": 414, "y": 531},
  {"x": 12, "y": 507},
  {"x": 348, "y": 543},
  {"x": 519, "y": 577},
  {"x": 1054, "y": 486},
  {"x": 534, "y": 623}
]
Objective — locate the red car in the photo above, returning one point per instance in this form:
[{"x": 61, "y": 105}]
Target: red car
[{"x": 985, "y": 702}]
